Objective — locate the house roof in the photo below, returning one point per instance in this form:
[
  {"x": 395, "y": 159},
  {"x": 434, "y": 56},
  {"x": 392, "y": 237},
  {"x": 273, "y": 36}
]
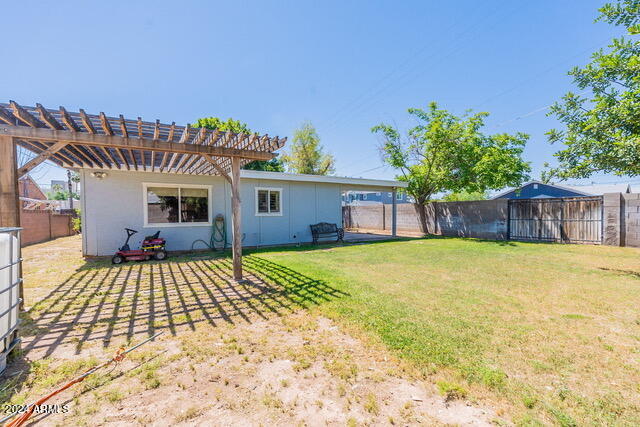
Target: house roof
[
  {"x": 600, "y": 189},
  {"x": 585, "y": 190},
  {"x": 27, "y": 187},
  {"x": 81, "y": 140},
  {"x": 510, "y": 189},
  {"x": 355, "y": 182}
]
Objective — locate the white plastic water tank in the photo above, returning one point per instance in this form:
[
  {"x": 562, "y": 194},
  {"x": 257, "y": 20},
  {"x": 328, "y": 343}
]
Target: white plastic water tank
[{"x": 9, "y": 290}]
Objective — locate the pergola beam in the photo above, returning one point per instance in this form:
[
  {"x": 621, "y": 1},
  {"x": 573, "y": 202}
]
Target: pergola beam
[
  {"x": 106, "y": 126},
  {"x": 68, "y": 121},
  {"x": 86, "y": 122},
  {"x": 37, "y": 147},
  {"x": 217, "y": 167},
  {"x": 46, "y": 117},
  {"x": 98, "y": 140},
  {"x": 6, "y": 117},
  {"x": 24, "y": 115},
  {"x": 44, "y": 155}
]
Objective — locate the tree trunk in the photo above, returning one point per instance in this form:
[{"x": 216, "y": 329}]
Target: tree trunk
[{"x": 421, "y": 209}]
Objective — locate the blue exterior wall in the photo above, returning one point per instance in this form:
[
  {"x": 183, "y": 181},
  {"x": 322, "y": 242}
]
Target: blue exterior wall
[
  {"x": 385, "y": 197},
  {"x": 543, "y": 191},
  {"x": 117, "y": 201}
]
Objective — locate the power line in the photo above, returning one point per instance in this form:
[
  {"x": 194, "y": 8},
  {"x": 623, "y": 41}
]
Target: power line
[
  {"x": 399, "y": 67},
  {"x": 370, "y": 170},
  {"x": 537, "y": 75},
  {"x": 531, "y": 113},
  {"x": 409, "y": 76}
]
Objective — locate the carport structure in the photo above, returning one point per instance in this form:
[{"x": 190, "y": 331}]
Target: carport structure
[{"x": 80, "y": 140}]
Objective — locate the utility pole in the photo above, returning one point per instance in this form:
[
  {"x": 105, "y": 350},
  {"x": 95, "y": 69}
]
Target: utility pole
[{"x": 70, "y": 187}]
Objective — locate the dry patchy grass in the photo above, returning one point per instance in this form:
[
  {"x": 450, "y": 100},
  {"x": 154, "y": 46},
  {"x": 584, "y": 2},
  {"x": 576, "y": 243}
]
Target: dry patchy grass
[
  {"x": 255, "y": 354},
  {"x": 540, "y": 333}
]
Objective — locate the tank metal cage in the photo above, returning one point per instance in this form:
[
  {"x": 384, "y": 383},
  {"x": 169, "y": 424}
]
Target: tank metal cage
[{"x": 10, "y": 283}]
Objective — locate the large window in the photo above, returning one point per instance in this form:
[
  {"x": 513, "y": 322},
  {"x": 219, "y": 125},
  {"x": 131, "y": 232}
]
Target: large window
[
  {"x": 176, "y": 204},
  {"x": 268, "y": 201}
]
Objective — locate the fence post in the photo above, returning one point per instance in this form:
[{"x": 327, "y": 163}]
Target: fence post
[
  {"x": 50, "y": 226},
  {"x": 562, "y": 236},
  {"x": 384, "y": 217},
  {"x": 394, "y": 213},
  {"x": 613, "y": 220}
]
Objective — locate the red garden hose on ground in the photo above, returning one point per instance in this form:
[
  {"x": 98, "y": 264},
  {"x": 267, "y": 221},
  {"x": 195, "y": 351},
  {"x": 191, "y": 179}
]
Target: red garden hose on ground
[{"x": 119, "y": 356}]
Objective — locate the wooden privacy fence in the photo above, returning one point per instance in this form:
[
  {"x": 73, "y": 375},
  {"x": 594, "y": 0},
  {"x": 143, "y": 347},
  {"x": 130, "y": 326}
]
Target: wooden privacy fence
[{"x": 566, "y": 220}]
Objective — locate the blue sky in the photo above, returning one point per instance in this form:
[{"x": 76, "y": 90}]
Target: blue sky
[{"x": 344, "y": 65}]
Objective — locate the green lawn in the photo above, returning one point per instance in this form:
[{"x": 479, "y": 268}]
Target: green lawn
[{"x": 545, "y": 333}]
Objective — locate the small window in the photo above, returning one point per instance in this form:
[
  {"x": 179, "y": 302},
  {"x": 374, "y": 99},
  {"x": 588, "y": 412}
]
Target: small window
[
  {"x": 176, "y": 205},
  {"x": 390, "y": 194},
  {"x": 535, "y": 186},
  {"x": 364, "y": 197},
  {"x": 268, "y": 201},
  {"x": 398, "y": 196}
]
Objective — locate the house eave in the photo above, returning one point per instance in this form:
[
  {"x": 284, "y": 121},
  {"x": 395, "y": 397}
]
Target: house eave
[{"x": 346, "y": 181}]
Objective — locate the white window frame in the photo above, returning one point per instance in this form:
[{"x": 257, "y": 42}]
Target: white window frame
[
  {"x": 399, "y": 196},
  {"x": 147, "y": 224},
  {"x": 278, "y": 189}
]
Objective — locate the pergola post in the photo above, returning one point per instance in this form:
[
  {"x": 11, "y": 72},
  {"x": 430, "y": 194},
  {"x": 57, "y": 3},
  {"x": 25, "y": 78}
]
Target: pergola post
[
  {"x": 236, "y": 218},
  {"x": 9, "y": 196},
  {"x": 394, "y": 212}
]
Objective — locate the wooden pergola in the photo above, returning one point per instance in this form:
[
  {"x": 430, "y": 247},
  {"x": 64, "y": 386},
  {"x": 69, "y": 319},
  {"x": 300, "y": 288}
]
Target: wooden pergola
[{"x": 80, "y": 140}]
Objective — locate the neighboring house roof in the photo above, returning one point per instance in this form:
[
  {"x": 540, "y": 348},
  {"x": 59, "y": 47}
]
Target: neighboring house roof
[
  {"x": 578, "y": 190},
  {"x": 600, "y": 189},
  {"x": 28, "y": 188},
  {"x": 282, "y": 176},
  {"x": 531, "y": 183}
]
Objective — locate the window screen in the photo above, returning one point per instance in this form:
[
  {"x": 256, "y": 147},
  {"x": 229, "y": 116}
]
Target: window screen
[
  {"x": 268, "y": 201},
  {"x": 263, "y": 204},
  {"x": 274, "y": 201}
]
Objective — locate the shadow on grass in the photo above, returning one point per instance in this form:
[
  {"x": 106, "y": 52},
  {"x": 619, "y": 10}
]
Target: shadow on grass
[
  {"x": 100, "y": 302},
  {"x": 621, "y": 272}
]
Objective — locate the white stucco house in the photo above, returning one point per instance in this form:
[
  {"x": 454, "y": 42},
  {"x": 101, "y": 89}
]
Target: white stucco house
[{"x": 277, "y": 208}]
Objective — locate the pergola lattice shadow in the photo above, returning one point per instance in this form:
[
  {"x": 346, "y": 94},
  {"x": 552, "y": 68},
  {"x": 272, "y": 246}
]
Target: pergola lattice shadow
[{"x": 101, "y": 304}]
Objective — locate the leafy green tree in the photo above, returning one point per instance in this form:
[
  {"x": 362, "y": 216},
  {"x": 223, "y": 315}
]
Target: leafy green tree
[
  {"x": 236, "y": 126},
  {"x": 273, "y": 165},
  {"x": 307, "y": 154},
  {"x": 602, "y": 128},
  {"x": 229, "y": 125},
  {"x": 463, "y": 196},
  {"x": 60, "y": 195},
  {"x": 444, "y": 152}
]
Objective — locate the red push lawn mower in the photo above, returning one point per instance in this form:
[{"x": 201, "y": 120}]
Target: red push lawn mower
[{"x": 152, "y": 247}]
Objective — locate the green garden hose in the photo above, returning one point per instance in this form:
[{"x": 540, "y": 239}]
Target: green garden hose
[{"x": 218, "y": 235}]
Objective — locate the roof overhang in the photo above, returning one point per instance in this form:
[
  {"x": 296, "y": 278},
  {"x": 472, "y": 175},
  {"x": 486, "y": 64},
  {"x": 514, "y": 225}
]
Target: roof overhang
[{"x": 356, "y": 183}]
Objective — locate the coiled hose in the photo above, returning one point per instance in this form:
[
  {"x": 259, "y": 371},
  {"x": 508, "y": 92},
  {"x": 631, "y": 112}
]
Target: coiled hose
[{"x": 218, "y": 235}]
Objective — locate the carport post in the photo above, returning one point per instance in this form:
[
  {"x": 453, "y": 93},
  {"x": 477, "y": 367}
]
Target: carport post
[
  {"x": 236, "y": 218},
  {"x": 394, "y": 213}
]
